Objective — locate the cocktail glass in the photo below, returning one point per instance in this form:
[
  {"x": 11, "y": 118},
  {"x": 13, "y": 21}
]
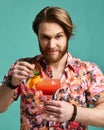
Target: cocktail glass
[{"x": 48, "y": 87}]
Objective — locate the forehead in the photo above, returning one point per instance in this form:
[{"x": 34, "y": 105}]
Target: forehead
[{"x": 50, "y": 28}]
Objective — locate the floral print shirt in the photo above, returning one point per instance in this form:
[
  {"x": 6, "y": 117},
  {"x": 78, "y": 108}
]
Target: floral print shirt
[{"x": 82, "y": 83}]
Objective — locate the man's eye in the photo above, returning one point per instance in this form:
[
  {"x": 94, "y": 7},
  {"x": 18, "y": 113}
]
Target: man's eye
[
  {"x": 58, "y": 36},
  {"x": 45, "y": 37}
]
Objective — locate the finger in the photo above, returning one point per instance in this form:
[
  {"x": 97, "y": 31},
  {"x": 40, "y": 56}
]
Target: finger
[
  {"x": 47, "y": 117},
  {"x": 20, "y": 73},
  {"x": 52, "y": 103},
  {"x": 17, "y": 80},
  {"x": 21, "y": 69},
  {"x": 23, "y": 73},
  {"x": 26, "y": 64},
  {"x": 55, "y": 114},
  {"x": 53, "y": 110}
]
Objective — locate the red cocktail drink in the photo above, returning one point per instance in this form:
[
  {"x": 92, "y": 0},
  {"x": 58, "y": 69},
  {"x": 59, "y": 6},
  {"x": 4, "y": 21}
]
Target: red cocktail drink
[{"x": 48, "y": 86}]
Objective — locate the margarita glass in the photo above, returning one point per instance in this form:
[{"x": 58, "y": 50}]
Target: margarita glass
[{"x": 43, "y": 89}]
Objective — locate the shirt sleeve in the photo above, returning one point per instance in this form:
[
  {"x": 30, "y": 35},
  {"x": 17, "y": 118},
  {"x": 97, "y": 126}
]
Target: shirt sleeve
[{"x": 95, "y": 81}]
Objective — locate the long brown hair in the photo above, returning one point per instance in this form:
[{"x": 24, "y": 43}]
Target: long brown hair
[{"x": 57, "y": 15}]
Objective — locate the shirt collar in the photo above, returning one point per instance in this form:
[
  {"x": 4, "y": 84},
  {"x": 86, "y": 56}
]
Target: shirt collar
[{"x": 71, "y": 62}]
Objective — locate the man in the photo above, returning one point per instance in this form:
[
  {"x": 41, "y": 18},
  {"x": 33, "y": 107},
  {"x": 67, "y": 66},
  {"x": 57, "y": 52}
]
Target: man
[{"x": 81, "y": 83}]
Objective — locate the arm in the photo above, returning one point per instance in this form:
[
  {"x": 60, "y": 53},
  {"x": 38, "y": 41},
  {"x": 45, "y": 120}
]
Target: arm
[
  {"x": 92, "y": 116},
  {"x": 17, "y": 73},
  {"x": 62, "y": 111},
  {"x": 6, "y": 99}
]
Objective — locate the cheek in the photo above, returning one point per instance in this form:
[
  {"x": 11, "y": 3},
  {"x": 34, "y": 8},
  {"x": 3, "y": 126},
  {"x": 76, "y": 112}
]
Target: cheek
[
  {"x": 42, "y": 44},
  {"x": 42, "y": 47},
  {"x": 63, "y": 44}
]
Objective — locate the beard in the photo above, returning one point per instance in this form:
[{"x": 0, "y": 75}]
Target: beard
[{"x": 53, "y": 58}]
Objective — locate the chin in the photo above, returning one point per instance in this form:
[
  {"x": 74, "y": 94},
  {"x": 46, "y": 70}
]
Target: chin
[{"x": 53, "y": 60}]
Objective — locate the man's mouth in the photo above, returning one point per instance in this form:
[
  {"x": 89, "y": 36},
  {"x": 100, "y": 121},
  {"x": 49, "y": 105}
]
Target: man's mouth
[{"x": 52, "y": 52}]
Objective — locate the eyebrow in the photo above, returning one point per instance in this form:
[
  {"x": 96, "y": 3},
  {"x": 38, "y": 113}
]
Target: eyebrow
[{"x": 59, "y": 33}]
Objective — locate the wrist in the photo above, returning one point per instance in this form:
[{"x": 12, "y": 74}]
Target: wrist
[
  {"x": 74, "y": 114},
  {"x": 11, "y": 86},
  {"x": 8, "y": 83}
]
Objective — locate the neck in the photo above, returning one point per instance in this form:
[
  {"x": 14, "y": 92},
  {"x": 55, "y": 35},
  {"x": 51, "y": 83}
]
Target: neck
[
  {"x": 59, "y": 63},
  {"x": 58, "y": 67}
]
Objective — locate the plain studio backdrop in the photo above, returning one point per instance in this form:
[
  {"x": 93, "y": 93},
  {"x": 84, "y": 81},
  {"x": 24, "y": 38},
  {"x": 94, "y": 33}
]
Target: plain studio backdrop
[{"x": 17, "y": 38}]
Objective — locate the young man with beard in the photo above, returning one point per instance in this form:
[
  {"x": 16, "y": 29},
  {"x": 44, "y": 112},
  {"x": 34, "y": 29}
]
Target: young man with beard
[{"x": 81, "y": 83}]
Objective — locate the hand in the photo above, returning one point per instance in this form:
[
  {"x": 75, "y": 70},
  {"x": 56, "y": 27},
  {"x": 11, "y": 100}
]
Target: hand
[
  {"x": 20, "y": 71},
  {"x": 57, "y": 111}
]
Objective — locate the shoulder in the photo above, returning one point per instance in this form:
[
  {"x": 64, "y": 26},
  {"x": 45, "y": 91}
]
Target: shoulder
[
  {"x": 86, "y": 66},
  {"x": 91, "y": 67}
]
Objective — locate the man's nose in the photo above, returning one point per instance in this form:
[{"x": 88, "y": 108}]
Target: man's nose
[{"x": 52, "y": 43}]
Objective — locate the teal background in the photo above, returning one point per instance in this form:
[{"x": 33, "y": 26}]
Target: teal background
[{"x": 18, "y": 40}]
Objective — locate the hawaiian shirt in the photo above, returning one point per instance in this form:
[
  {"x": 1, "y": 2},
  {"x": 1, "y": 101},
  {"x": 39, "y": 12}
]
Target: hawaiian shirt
[{"x": 82, "y": 83}]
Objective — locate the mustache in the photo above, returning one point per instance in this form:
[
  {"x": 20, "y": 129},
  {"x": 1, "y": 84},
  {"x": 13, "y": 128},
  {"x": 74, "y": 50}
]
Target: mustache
[{"x": 51, "y": 49}]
